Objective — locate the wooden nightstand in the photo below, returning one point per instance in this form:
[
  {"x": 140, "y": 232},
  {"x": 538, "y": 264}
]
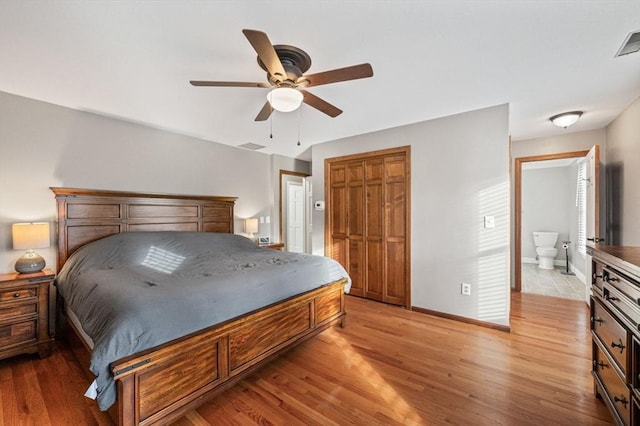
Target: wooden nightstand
[
  {"x": 274, "y": 246},
  {"x": 24, "y": 313}
]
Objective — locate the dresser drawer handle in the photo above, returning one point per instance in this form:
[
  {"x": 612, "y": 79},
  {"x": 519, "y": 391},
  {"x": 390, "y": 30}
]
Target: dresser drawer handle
[
  {"x": 600, "y": 321},
  {"x": 614, "y": 279},
  {"x": 622, "y": 400},
  {"x": 602, "y": 364},
  {"x": 618, "y": 345},
  {"x": 596, "y": 276},
  {"x": 16, "y": 295},
  {"x": 612, "y": 299}
]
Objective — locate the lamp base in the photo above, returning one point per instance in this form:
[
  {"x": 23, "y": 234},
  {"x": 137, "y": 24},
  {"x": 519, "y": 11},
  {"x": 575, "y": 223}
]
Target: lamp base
[{"x": 29, "y": 263}]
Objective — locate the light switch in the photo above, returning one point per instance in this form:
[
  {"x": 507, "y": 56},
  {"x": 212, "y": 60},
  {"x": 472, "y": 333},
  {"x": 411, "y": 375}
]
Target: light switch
[
  {"x": 261, "y": 219},
  {"x": 489, "y": 222},
  {"x": 268, "y": 219}
]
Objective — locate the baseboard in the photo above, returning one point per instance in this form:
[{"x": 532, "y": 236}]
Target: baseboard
[
  {"x": 486, "y": 324},
  {"x": 578, "y": 273}
]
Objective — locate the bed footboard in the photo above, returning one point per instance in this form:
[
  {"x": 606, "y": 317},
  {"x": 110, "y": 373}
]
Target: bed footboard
[{"x": 162, "y": 384}]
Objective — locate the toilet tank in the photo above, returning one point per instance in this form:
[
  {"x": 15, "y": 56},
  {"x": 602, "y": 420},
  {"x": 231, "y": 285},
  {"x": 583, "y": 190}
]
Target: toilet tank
[{"x": 545, "y": 239}]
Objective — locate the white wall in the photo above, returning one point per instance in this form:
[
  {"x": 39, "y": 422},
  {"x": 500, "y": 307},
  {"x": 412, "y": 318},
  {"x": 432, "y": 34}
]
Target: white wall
[
  {"x": 548, "y": 202},
  {"x": 44, "y": 145},
  {"x": 623, "y": 177},
  {"x": 459, "y": 173}
]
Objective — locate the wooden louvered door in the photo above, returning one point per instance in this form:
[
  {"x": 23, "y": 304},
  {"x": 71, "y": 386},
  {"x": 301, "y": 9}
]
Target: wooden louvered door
[{"x": 367, "y": 222}]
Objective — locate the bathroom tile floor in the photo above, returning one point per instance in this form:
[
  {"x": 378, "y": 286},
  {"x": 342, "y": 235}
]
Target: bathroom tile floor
[{"x": 551, "y": 282}]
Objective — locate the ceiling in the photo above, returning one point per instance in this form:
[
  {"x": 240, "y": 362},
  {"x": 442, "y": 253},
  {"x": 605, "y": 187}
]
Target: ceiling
[{"x": 133, "y": 60}]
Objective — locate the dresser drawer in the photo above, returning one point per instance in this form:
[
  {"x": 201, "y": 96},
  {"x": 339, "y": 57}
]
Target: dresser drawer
[
  {"x": 17, "y": 294},
  {"x": 621, "y": 305},
  {"x": 597, "y": 278},
  {"x": 617, "y": 391},
  {"x": 17, "y": 311},
  {"x": 622, "y": 284},
  {"x": 611, "y": 333},
  {"x": 21, "y": 332}
]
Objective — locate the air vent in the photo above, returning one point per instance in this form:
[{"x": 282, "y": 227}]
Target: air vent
[
  {"x": 251, "y": 146},
  {"x": 631, "y": 44}
]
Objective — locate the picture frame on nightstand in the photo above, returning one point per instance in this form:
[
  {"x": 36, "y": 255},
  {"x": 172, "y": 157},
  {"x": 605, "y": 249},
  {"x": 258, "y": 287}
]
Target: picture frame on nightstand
[{"x": 263, "y": 241}]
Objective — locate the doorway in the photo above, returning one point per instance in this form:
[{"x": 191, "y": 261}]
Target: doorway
[
  {"x": 295, "y": 211},
  {"x": 519, "y": 162}
]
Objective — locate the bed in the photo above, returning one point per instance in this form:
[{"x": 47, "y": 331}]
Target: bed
[{"x": 158, "y": 384}]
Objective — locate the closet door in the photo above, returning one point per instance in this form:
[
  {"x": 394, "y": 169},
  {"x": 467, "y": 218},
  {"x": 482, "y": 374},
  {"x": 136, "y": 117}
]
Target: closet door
[
  {"x": 374, "y": 230},
  {"x": 367, "y": 222},
  {"x": 337, "y": 223},
  {"x": 395, "y": 213},
  {"x": 355, "y": 227}
]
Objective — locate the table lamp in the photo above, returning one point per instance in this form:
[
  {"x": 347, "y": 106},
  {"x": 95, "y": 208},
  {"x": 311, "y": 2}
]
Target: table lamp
[
  {"x": 251, "y": 227},
  {"x": 30, "y": 236}
]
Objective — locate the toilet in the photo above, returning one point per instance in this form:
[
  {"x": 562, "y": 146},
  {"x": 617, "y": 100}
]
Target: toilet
[{"x": 545, "y": 248}]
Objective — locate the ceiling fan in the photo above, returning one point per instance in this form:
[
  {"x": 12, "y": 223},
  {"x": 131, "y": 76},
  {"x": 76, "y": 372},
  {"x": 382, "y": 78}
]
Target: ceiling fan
[{"x": 285, "y": 66}]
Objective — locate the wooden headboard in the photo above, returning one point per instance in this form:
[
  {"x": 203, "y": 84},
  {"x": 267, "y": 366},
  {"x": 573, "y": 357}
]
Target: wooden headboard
[{"x": 85, "y": 215}]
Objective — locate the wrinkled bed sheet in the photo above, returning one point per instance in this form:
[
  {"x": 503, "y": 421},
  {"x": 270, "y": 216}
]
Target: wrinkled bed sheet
[{"x": 133, "y": 291}]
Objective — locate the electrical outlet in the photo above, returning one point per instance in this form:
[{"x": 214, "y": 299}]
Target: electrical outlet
[{"x": 466, "y": 289}]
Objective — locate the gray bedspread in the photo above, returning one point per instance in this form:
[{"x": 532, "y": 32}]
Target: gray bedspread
[{"x": 133, "y": 291}]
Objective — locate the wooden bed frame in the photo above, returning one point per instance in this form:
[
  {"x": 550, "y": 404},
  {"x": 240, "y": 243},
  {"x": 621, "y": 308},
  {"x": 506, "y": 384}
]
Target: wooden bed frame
[{"x": 161, "y": 384}]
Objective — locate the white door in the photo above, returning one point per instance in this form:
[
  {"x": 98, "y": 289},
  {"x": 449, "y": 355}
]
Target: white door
[
  {"x": 593, "y": 209},
  {"x": 295, "y": 217},
  {"x": 309, "y": 215}
]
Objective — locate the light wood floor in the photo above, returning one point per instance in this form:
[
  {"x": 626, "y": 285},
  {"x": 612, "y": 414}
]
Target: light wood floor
[{"x": 388, "y": 366}]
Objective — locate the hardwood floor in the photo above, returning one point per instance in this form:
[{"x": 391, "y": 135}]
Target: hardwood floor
[{"x": 388, "y": 366}]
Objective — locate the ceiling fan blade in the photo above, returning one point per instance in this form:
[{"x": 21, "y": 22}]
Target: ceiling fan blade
[
  {"x": 265, "y": 112},
  {"x": 227, "y": 84},
  {"x": 266, "y": 53},
  {"x": 320, "y": 104},
  {"x": 341, "y": 74}
]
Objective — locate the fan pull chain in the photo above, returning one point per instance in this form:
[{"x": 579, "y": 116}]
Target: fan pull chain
[
  {"x": 299, "y": 115},
  {"x": 271, "y": 124}
]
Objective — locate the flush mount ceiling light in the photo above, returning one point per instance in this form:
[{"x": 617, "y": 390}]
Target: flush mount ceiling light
[
  {"x": 285, "y": 99},
  {"x": 566, "y": 119}
]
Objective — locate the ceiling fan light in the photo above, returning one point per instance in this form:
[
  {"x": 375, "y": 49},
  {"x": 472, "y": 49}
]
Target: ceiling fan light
[
  {"x": 285, "y": 99},
  {"x": 566, "y": 119}
]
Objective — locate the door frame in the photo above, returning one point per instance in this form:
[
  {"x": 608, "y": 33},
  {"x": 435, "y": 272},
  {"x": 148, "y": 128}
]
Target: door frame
[
  {"x": 518, "y": 205},
  {"x": 280, "y": 201}
]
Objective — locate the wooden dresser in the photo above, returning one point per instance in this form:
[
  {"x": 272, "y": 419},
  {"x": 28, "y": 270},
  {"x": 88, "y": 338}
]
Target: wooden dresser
[
  {"x": 615, "y": 330},
  {"x": 24, "y": 313}
]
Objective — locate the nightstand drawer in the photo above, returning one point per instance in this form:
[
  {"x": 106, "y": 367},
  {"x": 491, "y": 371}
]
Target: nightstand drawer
[
  {"x": 17, "y": 294},
  {"x": 18, "y": 311},
  {"x": 17, "y": 333},
  {"x": 24, "y": 313}
]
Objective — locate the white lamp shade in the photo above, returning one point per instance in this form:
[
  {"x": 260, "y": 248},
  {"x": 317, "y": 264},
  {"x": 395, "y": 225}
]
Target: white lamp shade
[
  {"x": 251, "y": 225},
  {"x": 30, "y": 235},
  {"x": 566, "y": 119},
  {"x": 285, "y": 99}
]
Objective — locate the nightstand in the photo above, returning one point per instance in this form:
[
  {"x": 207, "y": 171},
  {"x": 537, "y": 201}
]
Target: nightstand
[
  {"x": 24, "y": 313},
  {"x": 274, "y": 246}
]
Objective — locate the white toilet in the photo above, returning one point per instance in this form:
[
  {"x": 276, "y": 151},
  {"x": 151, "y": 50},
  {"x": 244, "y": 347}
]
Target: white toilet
[{"x": 545, "y": 248}]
